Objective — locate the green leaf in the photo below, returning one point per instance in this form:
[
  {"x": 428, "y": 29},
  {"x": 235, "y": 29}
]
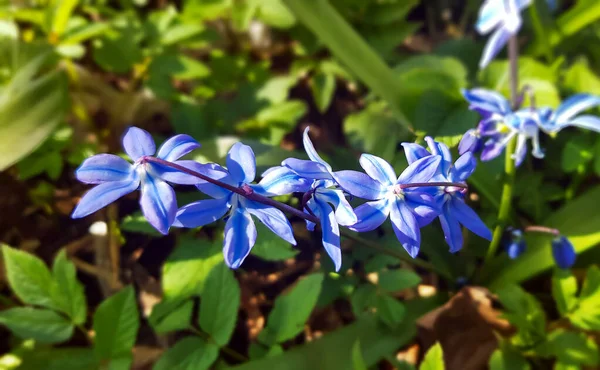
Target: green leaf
[
  {"x": 286, "y": 112},
  {"x": 118, "y": 50},
  {"x": 505, "y": 358},
  {"x": 390, "y": 311},
  {"x": 389, "y": 12},
  {"x": 170, "y": 315},
  {"x": 563, "y": 366},
  {"x": 271, "y": 247},
  {"x": 30, "y": 109},
  {"x": 60, "y": 359},
  {"x": 524, "y": 312},
  {"x": 190, "y": 353},
  {"x": 323, "y": 90},
  {"x": 597, "y": 158},
  {"x": 578, "y": 220},
  {"x": 571, "y": 347},
  {"x": 564, "y": 290},
  {"x": 579, "y": 78},
  {"x": 363, "y": 298},
  {"x": 275, "y": 13},
  {"x": 220, "y": 304},
  {"x": 434, "y": 358},
  {"x": 358, "y": 363},
  {"x": 84, "y": 33},
  {"x": 187, "y": 267},
  {"x": 576, "y": 153},
  {"x": 587, "y": 313},
  {"x": 28, "y": 277},
  {"x": 116, "y": 323},
  {"x": 137, "y": 223},
  {"x": 276, "y": 89},
  {"x": 58, "y": 15},
  {"x": 258, "y": 350},
  {"x": 291, "y": 311},
  {"x": 67, "y": 291},
  {"x": 397, "y": 280},
  {"x": 43, "y": 325},
  {"x": 180, "y": 32}
]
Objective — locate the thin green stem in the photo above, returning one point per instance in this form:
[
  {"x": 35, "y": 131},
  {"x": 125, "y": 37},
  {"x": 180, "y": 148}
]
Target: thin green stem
[
  {"x": 509, "y": 162},
  {"x": 397, "y": 254}
]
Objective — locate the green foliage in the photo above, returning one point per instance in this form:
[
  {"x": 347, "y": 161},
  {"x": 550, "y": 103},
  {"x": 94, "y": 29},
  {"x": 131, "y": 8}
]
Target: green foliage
[
  {"x": 188, "y": 354},
  {"x": 564, "y": 291},
  {"x": 434, "y": 359},
  {"x": 524, "y": 312},
  {"x": 43, "y": 325},
  {"x": 507, "y": 358},
  {"x": 67, "y": 292},
  {"x": 586, "y": 314}
]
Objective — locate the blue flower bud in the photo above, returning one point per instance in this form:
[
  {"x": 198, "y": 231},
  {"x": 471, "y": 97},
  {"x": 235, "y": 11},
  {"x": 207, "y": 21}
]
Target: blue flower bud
[
  {"x": 516, "y": 245},
  {"x": 563, "y": 252},
  {"x": 470, "y": 142}
]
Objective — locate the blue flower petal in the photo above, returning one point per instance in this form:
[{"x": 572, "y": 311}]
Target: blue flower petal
[
  {"x": 307, "y": 169},
  {"x": 176, "y": 147},
  {"x": 240, "y": 236},
  {"x": 451, "y": 228},
  {"x": 330, "y": 233},
  {"x": 405, "y": 227},
  {"x": 493, "y": 147},
  {"x": 464, "y": 167},
  {"x": 280, "y": 181},
  {"x": 573, "y": 106},
  {"x": 491, "y": 14},
  {"x": 175, "y": 176},
  {"x": 493, "y": 46},
  {"x": 378, "y": 169},
  {"x": 424, "y": 206},
  {"x": 216, "y": 172},
  {"x": 371, "y": 215},
  {"x": 466, "y": 216},
  {"x": 201, "y": 213},
  {"x": 520, "y": 150},
  {"x": 312, "y": 153},
  {"x": 421, "y": 170},
  {"x": 585, "y": 121},
  {"x": 515, "y": 249},
  {"x": 469, "y": 142},
  {"x": 414, "y": 152},
  {"x": 359, "y": 184},
  {"x": 158, "y": 203},
  {"x": 563, "y": 252},
  {"x": 438, "y": 148},
  {"x": 104, "y": 168},
  {"x": 241, "y": 163},
  {"x": 102, "y": 195},
  {"x": 343, "y": 210},
  {"x": 272, "y": 218},
  {"x": 138, "y": 143}
]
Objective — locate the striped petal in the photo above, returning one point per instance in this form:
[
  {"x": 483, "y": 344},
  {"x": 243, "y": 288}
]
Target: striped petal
[
  {"x": 405, "y": 227},
  {"x": 573, "y": 106},
  {"x": 378, "y": 169},
  {"x": 138, "y": 143},
  {"x": 272, "y": 218},
  {"x": 176, "y": 147},
  {"x": 421, "y": 170},
  {"x": 359, "y": 184},
  {"x": 307, "y": 169},
  {"x": 371, "y": 215},
  {"x": 311, "y": 152},
  {"x": 104, "y": 168},
  {"x": 241, "y": 163},
  {"x": 343, "y": 210},
  {"x": 102, "y": 195},
  {"x": 469, "y": 218},
  {"x": 201, "y": 213},
  {"x": 158, "y": 203},
  {"x": 240, "y": 236},
  {"x": 451, "y": 228},
  {"x": 493, "y": 46},
  {"x": 280, "y": 181},
  {"x": 330, "y": 233}
]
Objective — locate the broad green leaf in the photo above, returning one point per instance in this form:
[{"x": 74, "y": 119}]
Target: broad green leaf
[
  {"x": 180, "y": 32},
  {"x": 576, "y": 153},
  {"x": 291, "y": 311},
  {"x": 220, "y": 304},
  {"x": 271, "y": 247},
  {"x": 116, "y": 323},
  {"x": 258, "y": 350},
  {"x": 578, "y": 220},
  {"x": 60, "y": 359},
  {"x": 84, "y": 33},
  {"x": 434, "y": 358},
  {"x": 177, "y": 66},
  {"x": 524, "y": 312},
  {"x": 43, "y": 325},
  {"x": 286, "y": 112},
  {"x": 67, "y": 291},
  {"x": 579, "y": 78},
  {"x": 190, "y": 353},
  {"x": 28, "y": 277},
  {"x": 169, "y": 315},
  {"x": 30, "y": 107},
  {"x": 564, "y": 290},
  {"x": 118, "y": 50},
  {"x": 363, "y": 298},
  {"x": 397, "y": 280},
  {"x": 505, "y": 358},
  {"x": 58, "y": 15},
  {"x": 587, "y": 313},
  {"x": 186, "y": 269},
  {"x": 358, "y": 363},
  {"x": 276, "y": 89},
  {"x": 390, "y": 311},
  {"x": 571, "y": 347},
  {"x": 323, "y": 90},
  {"x": 389, "y": 12},
  {"x": 137, "y": 223},
  {"x": 275, "y": 13}
]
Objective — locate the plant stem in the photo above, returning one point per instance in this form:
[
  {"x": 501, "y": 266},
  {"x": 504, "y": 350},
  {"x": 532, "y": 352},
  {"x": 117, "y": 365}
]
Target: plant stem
[
  {"x": 509, "y": 164},
  {"x": 542, "y": 229},
  {"x": 397, "y": 254}
]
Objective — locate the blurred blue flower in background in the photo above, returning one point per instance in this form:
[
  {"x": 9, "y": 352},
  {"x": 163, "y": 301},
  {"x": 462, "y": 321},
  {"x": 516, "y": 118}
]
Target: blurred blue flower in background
[
  {"x": 115, "y": 177},
  {"x": 567, "y": 114},
  {"x": 504, "y": 19},
  {"x": 516, "y": 244},
  {"x": 563, "y": 252}
]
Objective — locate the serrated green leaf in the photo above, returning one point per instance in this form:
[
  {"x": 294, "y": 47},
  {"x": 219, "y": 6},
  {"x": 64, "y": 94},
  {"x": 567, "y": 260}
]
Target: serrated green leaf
[
  {"x": 28, "y": 277},
  {"x": 434, "y": 358},
  {"x": 220, "y": 304},
  {"x": 116, "y": 323},
  {"x": 587, "y": 313},
  {"x": 390, "y": 311},
  {"x": 291, "y": 311},
  {"x": 564, "y": 290},
  {"x": 186, "y": 269},
  {"x": 188, "y": 354},
  {"x": 508, "y": 359},
  {"x": 170, "y": 315},
  {"x": 323, "y": 89},
  {"x": 43, "y": 325},
  {"x": 397, "y": 280},
  {"x": 67, "y": 291}
]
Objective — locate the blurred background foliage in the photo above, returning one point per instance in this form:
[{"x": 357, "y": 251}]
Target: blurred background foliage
[{"x": 365, "y": 75}]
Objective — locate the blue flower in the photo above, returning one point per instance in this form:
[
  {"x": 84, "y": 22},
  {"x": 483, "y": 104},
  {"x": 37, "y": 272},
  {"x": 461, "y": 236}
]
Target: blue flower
[
  {"x": 328, "y": 204},
  {"x": 499, "y": 125},
  {"x": 516, "y": 245},
  {"x": 563, "y": 252},
  {"x": 504, "y": 19},
  {"x": 115, "y": 177},
  {"x": 389, "y": 198},
  {"x": 449, "y": 199},
  {"x": 567, "y": 114},
  {"x": 240, "y": 231}
]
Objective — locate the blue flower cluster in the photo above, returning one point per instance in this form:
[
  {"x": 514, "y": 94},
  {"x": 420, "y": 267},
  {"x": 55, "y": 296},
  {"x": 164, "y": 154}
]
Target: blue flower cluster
[
  {"x": 431, "y": 186},
  {"x": 500, "y": 124}
]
